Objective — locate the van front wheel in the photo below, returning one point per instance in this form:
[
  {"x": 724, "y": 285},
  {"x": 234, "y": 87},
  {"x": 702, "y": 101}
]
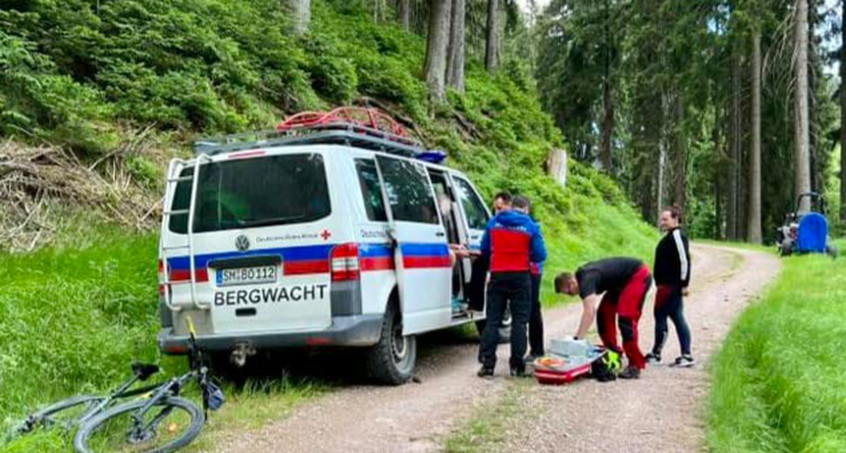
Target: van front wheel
[{"x": 392, "y": 360}]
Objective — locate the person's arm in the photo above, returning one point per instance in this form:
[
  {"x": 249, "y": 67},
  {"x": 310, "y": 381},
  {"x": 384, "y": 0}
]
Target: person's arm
[
  {"x": 485, "y": 249},
  {"x": 684, "y": 263},
  {"x": 538, "y": 247},
  {"x": 589, "y": 304}
]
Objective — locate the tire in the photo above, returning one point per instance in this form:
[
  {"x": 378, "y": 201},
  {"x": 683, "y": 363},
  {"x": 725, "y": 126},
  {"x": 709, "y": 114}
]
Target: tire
[
  {"x": 391, "y": 361},
  {"x": 66, "y": 412},
  {"x": 831, "y": 250},
  {"x": 83, "y": 439}
]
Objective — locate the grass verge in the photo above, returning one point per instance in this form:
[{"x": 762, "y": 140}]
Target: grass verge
[
  {"x": 76, "y": 314},
  {"x": 491, "y": 423},
  {"x": 779, "y": 383}
]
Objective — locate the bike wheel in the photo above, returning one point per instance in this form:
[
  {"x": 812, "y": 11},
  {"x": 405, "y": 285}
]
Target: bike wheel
[
  {"x": 65, "y": 413},
  {"x": 167, "y": 426}
]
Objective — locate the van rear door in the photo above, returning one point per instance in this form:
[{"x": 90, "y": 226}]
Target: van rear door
[
  {"x": 421, "y": 253},
  {"x": 261, "y": 245}
]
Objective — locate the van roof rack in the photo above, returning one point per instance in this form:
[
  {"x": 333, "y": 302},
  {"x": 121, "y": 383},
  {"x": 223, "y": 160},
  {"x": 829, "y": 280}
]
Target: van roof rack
[{"x": 350, "y": 126}]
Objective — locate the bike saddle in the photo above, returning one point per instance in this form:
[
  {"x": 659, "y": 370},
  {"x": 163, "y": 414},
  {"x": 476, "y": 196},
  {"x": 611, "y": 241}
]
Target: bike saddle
[{"x": 144, "y": 370}]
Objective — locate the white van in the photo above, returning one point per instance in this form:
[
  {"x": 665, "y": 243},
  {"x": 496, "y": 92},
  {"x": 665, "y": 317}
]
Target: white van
[{"x": 287, "y": 241}]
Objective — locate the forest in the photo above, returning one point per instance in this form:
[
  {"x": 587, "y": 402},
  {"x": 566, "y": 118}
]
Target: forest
[{"x": 728, "y": 109}]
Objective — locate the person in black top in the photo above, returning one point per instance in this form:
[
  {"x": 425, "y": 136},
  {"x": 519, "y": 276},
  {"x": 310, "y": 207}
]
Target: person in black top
[
  {"x": 672, "y": 275},
  {"x": 624, "y": 283}
]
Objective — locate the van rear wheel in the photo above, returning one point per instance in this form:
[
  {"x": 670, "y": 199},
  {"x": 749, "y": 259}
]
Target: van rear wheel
[{"x": 391, "y": 361}]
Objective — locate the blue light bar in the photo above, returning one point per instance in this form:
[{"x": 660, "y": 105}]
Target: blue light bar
[{"x": 434, "y": 156}]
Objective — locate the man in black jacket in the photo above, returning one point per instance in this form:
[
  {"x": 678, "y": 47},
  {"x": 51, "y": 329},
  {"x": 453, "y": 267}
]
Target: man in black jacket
[{"x": 672, "y": 275}]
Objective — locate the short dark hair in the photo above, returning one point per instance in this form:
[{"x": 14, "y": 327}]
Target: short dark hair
[
  {"x": 504, "y": 196},
  {"x": 675, "y": 212},
  {"x": 560, "y": 279},
  {"x": 520, "y": 202}
]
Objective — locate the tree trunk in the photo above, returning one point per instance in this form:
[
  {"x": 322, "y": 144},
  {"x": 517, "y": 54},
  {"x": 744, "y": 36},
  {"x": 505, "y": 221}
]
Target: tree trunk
[
  {"x": 300, "y": 15},
  {"x": 734, "y": 157},
  {"x": 659, "y": 196},
  {"x": 754, "y": 228},
  {"x": 436, "y": 49},
  {"x": 802, "y": 181},
  {"x": 455, "y": 60},
  {"x": 608, "y": 102},
  {"x": 843, "y": 117},
  {"x": 718, "y": 193},
  {"x": 492, "y": 42},
  {"x": 404, "y": 14},
  {"x": 679, "y": 153}
]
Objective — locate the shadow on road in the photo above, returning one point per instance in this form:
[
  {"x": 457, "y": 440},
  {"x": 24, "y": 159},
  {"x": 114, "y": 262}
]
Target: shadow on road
[{"x": 340, "y": 366}]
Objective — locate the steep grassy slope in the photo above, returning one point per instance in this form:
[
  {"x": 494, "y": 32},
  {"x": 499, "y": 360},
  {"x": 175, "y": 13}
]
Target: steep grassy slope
[{"x": 76, "y": 313}]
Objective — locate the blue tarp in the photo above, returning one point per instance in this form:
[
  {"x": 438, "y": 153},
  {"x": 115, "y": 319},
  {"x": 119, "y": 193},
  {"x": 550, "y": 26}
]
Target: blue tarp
[{"x": 813, "y": 232}]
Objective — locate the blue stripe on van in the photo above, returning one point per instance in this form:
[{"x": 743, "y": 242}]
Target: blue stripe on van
[{"x": 304, "y": 253}]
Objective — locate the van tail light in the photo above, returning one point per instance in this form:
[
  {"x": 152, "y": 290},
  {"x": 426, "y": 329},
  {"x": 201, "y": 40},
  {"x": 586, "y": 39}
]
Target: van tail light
[
  {"x": 162, "y": 286},
  {"x": 345, "y": 262}
]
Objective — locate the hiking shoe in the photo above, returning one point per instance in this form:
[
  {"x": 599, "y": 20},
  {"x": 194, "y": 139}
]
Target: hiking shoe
[
  {"x": 518, "y": 372},
  {"x": 631, "y": 372},
  {"x": 485, "y": 373},
  {"x": 653, "y": 358},
  {"x": 684, "y": 361}
]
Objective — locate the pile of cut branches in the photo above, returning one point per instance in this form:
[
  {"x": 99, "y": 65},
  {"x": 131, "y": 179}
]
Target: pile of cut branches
[{"x": 38, "y": 185}]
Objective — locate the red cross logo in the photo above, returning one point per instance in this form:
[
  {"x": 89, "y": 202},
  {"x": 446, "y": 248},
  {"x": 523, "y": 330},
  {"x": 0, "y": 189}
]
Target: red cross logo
[{"x": 325, "y": 235}]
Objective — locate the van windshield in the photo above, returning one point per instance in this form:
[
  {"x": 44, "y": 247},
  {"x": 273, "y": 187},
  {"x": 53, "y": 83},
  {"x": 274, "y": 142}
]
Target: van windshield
[{"x": 274, "y": 190}]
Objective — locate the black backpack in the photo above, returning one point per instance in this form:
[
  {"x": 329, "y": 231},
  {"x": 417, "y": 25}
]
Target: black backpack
[{"x": 605, "y": 368}]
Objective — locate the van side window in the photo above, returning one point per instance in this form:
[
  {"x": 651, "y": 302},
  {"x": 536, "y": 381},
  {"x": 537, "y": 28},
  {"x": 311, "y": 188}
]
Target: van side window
[
  {"x": 371, "y": 190},
  {"x": 408, "y": 191},
  {"x": 477, "y": 217}
]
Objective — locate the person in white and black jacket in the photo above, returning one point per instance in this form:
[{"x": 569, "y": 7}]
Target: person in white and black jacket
[{"x": 672, "y": 276}]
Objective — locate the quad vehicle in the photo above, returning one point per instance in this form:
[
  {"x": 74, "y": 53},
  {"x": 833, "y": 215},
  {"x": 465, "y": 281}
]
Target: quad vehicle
[{"x": 806, "y": 231}]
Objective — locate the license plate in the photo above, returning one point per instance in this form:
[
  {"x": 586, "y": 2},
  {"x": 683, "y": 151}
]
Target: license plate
[{"x": 247, "y": 275}]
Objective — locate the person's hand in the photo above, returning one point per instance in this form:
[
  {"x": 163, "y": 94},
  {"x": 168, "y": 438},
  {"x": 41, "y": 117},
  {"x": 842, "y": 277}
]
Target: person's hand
[
  {"x": 459, "y": 250},
  {"x": 685, "y": 292}
]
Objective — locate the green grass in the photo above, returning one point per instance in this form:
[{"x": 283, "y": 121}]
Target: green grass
[
  {"x": 491, "y": 422},
  {"x": 778, "y": 382},
  {"x": 75, "y": 315}
]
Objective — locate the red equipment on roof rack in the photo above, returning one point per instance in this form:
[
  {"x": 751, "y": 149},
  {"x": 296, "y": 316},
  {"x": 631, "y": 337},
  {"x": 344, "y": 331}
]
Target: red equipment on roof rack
[{"x": 357, "y": 119}]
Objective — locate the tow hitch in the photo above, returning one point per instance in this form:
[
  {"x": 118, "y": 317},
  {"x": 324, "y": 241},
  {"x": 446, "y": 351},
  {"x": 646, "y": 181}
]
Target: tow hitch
[{"x": 240, "y": 353}]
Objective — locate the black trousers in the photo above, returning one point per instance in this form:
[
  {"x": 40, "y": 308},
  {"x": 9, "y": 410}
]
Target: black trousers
[
  {"x": 669, "y": 304},
  {"x": 504, "y": 288},
  {"x": 536, "y": 319}
]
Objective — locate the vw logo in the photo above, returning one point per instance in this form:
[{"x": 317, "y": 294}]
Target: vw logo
[{"x": 242, "y": 243}]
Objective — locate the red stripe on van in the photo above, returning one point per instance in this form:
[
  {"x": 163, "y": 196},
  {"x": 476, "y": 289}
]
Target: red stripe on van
[
  {"x": 422, "y": 262},
  {"x": 377, "y": 264},
  {"x": 184, "y": 275},
  {"x": 301, "y": 267}
]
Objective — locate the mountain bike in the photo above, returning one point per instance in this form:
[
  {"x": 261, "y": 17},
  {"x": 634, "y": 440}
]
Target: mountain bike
[{"x": 158, "y": 421}]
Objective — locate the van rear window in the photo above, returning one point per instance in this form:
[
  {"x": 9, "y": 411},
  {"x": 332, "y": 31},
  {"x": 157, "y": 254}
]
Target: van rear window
[{"x": 264, "y": 191}]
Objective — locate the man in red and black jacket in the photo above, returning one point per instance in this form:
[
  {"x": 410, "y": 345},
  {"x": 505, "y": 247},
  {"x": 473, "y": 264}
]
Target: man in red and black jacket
[
  {"x": 622, "y": 283},
  {"x": 512, "y": 241},
  {"x": 672, "y": 275}
]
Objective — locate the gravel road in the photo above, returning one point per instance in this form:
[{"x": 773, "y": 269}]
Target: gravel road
[{"x": 660, "y": 412}]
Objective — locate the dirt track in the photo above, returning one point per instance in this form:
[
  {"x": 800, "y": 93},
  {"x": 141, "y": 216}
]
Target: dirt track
[{"x": 659, "y": 412}]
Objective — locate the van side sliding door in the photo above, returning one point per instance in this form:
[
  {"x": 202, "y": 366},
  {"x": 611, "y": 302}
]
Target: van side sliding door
[{"x": 421, "y": 253}]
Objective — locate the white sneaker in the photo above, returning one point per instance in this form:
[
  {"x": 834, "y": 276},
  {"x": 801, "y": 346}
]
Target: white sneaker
[{"x": 684, "y": 361}]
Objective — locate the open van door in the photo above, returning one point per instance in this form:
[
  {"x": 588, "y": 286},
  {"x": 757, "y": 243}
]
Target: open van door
[
  {"x": 475, "y": 216},
  {"x": 421, "y": 253}
]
